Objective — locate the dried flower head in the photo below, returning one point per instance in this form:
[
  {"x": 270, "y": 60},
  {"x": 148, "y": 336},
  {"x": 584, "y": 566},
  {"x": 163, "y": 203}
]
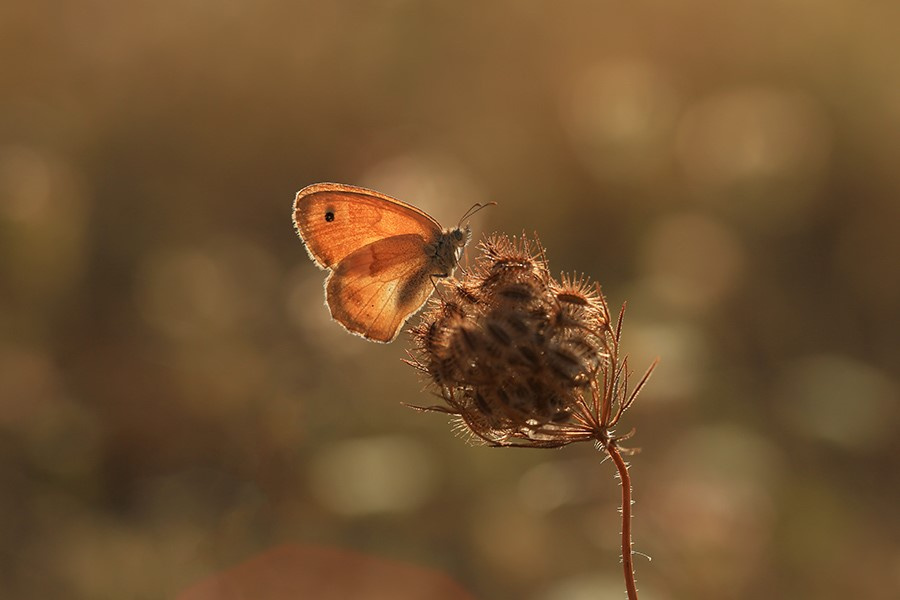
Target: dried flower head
[{"x": 522, "y": 358}]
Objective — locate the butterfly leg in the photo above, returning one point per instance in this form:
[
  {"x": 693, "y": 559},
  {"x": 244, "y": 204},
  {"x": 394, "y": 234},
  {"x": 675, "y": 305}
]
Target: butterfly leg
[{"x": 437, "y": 290}]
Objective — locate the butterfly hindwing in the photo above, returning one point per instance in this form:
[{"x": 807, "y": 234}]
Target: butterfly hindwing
[{"x": 374, "y": 290}]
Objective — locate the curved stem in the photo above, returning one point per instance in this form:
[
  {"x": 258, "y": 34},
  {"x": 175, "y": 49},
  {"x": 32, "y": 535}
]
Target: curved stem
[{"x": 627, "y": 554}]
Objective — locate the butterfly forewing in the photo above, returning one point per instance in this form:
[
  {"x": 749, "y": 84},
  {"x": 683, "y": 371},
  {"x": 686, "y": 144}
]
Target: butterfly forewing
[{"x": 335, "y": 219}]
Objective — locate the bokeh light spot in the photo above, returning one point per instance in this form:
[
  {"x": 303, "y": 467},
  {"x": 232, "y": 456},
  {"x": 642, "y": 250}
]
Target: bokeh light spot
[
  {"x": 840, "y": 400},
  {"x": 373, "y": 475},
  {"x": 619, "y": 114},
  {"x": 692, "y": 261}
]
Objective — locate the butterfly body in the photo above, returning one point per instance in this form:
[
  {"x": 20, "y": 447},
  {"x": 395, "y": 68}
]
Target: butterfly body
[{"x": 382, "y": 253}]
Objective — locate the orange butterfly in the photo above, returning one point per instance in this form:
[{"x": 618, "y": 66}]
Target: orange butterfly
[{"x": 382, "y": 253}]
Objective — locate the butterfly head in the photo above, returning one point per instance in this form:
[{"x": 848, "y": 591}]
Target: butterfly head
[
  {"x": 449, "y": 248},
  {"x": 459, "y": 237},
  {"x": 453, "y": 241}
]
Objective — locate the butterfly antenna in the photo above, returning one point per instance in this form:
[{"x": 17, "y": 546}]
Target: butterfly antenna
[{"x": 475, "y": 208}]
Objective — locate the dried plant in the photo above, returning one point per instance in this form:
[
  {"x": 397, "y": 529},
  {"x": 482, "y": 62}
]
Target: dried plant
[{"x": 526, "y": 360}]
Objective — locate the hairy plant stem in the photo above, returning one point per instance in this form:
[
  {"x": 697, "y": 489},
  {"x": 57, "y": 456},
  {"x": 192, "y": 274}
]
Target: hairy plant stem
[{"x": 627, "y": 554}]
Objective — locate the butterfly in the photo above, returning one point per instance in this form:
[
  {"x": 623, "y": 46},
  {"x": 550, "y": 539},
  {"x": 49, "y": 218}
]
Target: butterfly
[{"x": 383, "y": 255}]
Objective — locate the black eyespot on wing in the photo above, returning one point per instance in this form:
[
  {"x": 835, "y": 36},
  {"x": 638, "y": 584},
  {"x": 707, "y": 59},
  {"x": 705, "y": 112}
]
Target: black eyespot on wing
[{"x": 329, "y": 216}]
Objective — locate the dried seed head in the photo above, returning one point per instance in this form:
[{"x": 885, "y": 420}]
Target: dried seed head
[
  {"x": 464, "y": 295},
  {"x": 575, "y": 291},
  {"x": 521, "y": 357}
]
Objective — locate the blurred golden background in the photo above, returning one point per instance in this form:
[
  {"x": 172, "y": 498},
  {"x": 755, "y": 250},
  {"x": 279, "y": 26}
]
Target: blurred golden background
[{"x": 175, "y": 402}]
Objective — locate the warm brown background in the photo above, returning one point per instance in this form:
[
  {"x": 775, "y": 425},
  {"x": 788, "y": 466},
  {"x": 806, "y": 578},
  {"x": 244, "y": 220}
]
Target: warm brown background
[{"x": 174, "y": 400}]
